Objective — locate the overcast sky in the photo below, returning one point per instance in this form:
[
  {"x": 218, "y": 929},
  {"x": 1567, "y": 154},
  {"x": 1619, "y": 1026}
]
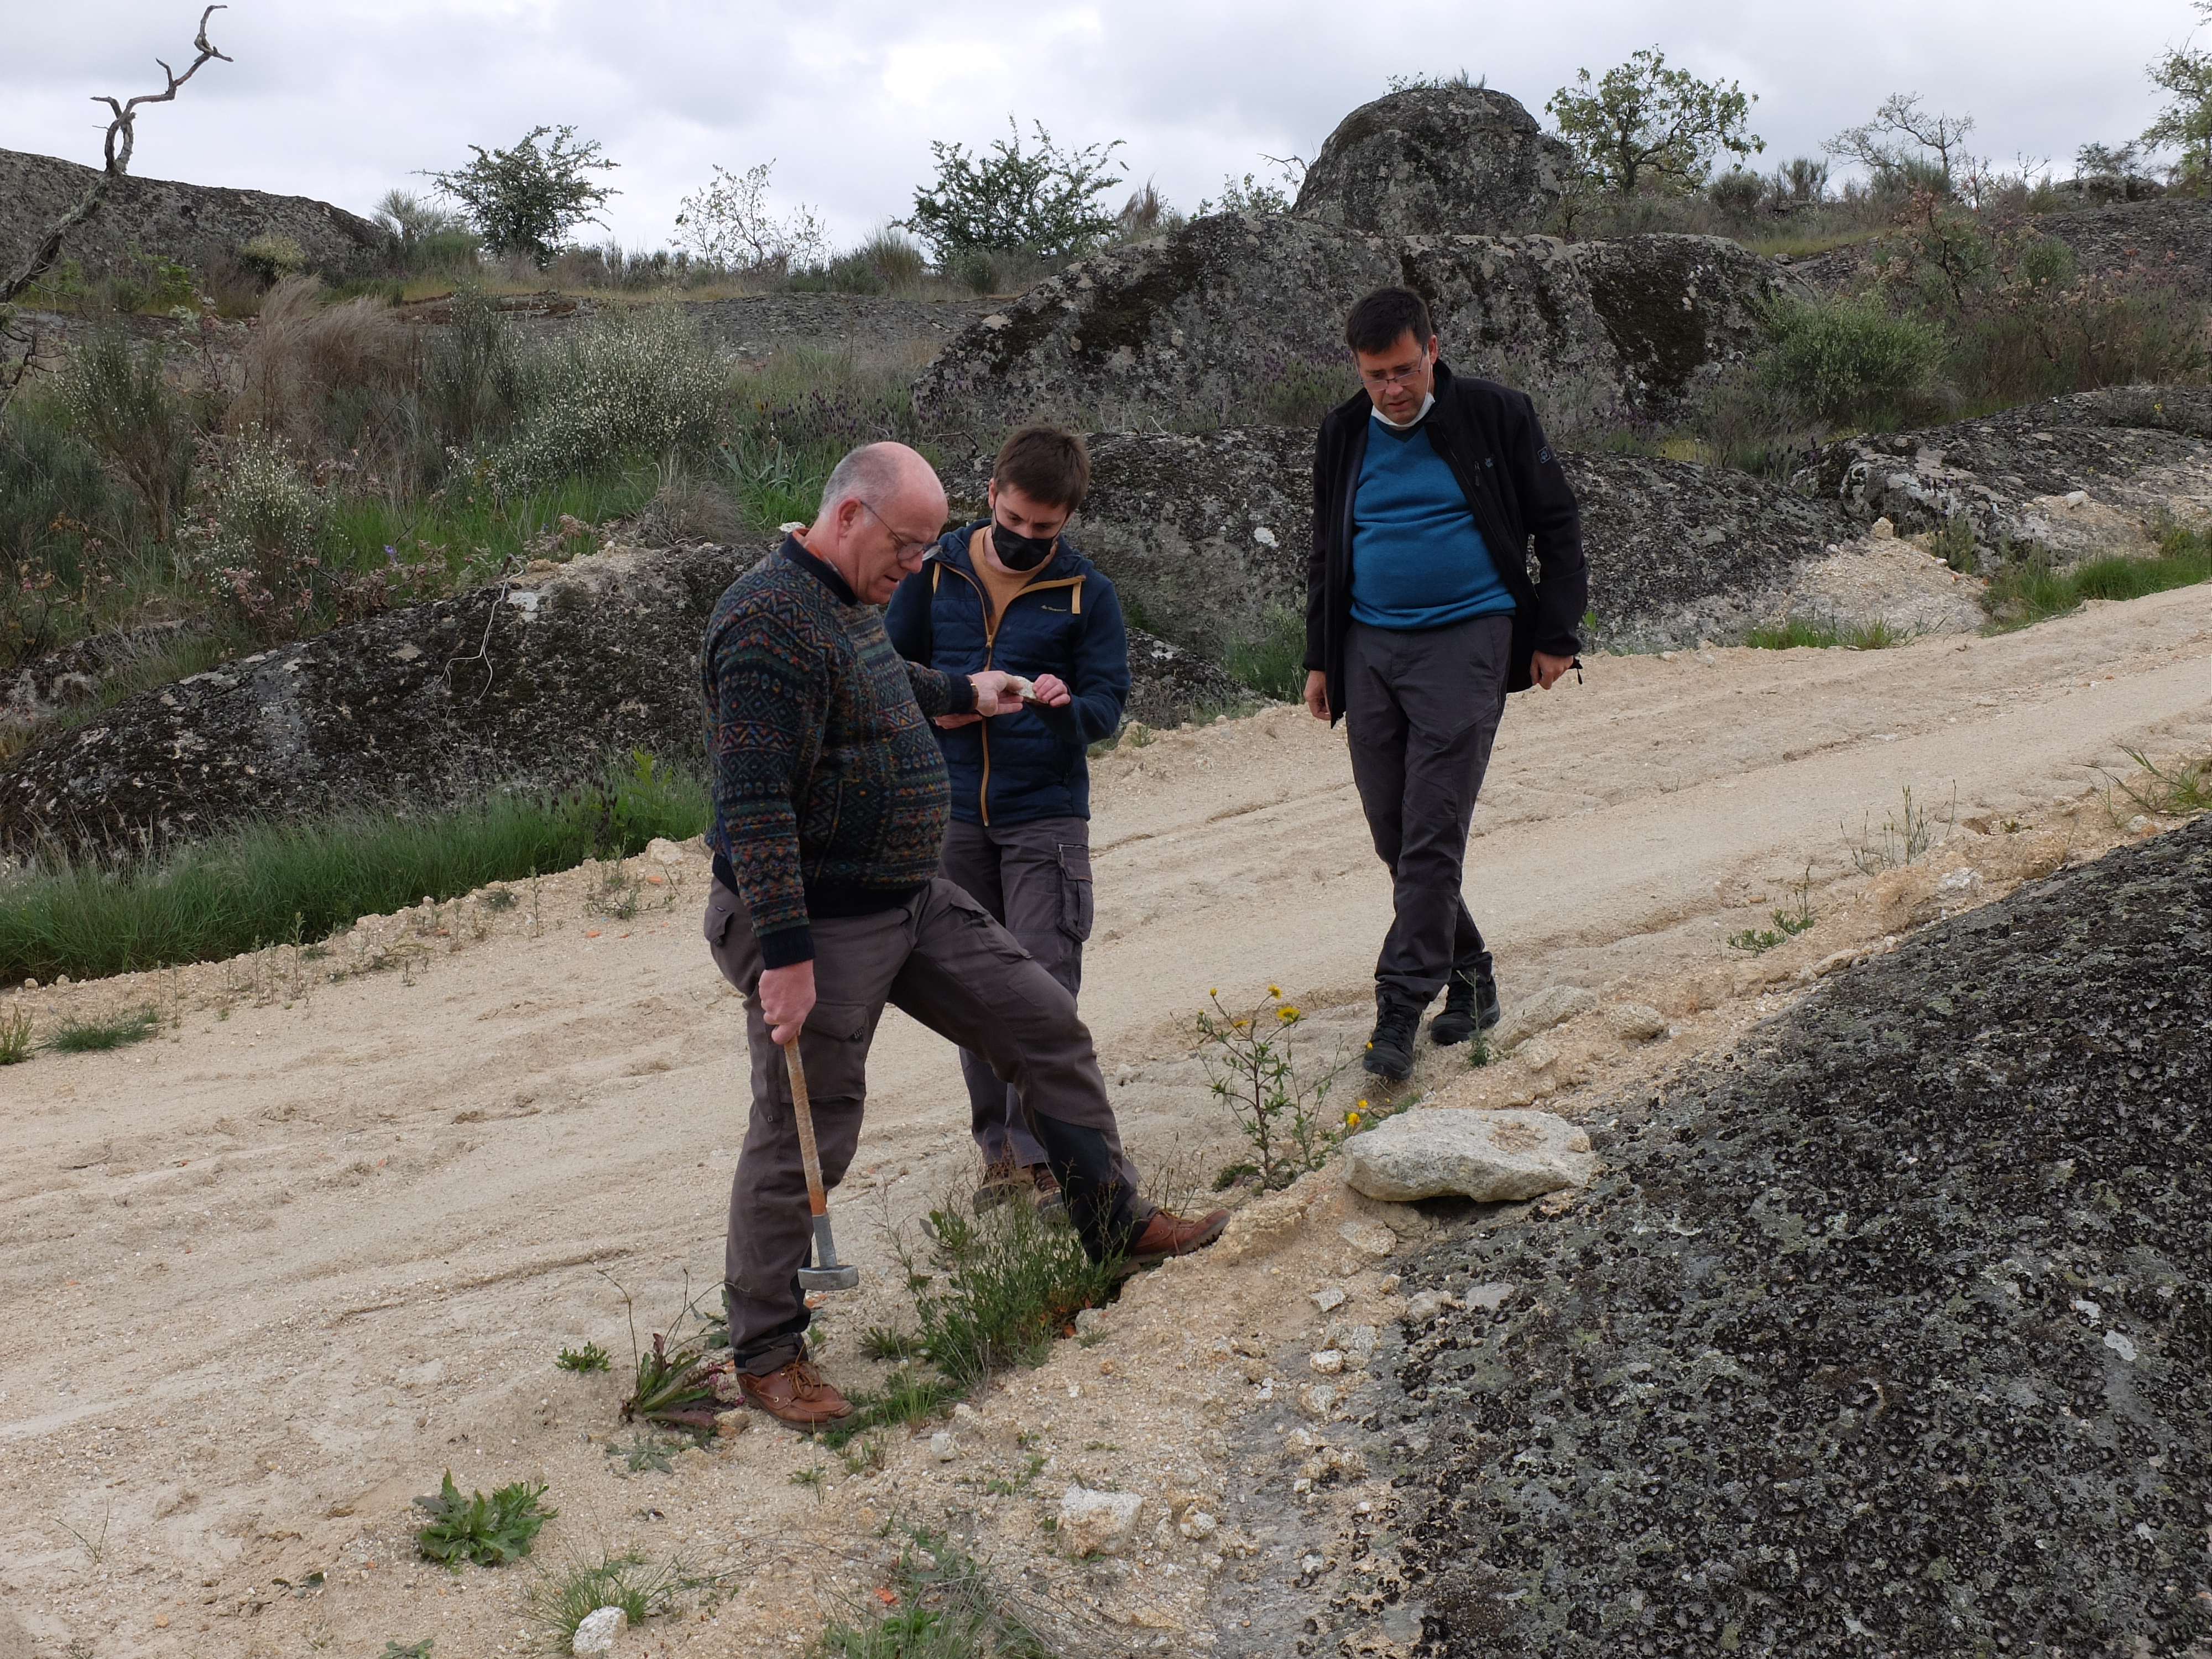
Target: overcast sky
[{"x": 343, "y": 99}]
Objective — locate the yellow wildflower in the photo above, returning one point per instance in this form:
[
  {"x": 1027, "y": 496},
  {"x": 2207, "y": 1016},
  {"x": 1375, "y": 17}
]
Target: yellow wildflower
[
  {"x": 1351, "y": 1120},
  {"x": 1286, "y": 1013},
  {"x": 1274, "y": 990}
]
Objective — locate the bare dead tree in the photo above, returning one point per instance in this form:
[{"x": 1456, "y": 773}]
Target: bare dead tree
[{"x": 122, "y": 134}]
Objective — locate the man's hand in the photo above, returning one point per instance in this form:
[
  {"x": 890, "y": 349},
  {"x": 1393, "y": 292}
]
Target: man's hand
[
  {"x": 1543, "y": 669},
  {"x": 991, "y": 694},
  {"x": 1316, "y": 694},
  {"x": 786, "y": 997},
  {"x": 1051, "y": 690}
]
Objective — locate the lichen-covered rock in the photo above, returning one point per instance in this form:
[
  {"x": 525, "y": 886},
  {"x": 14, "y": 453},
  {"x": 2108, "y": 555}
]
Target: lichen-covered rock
[
  {"x": 1434, "y": 160},
  {"x": 2072, "y": 476},
  {"x": 1229, "y": 317},
  {"x": 537, "y": 684},
  {"x": 1886, "y": 1335},
  {"x": 191, "y": 224},
  {"x": 2166, "y": 240}
]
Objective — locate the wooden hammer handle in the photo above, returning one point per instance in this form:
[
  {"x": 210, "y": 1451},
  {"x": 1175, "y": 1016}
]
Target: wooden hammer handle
[{"x": 817, "y": 1201}]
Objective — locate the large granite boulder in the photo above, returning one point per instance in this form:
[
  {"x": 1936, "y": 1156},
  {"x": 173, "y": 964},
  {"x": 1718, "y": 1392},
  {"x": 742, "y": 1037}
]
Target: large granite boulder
[
  {"x": 191, "y": 223},
  {"x": 540, "y": 683},
  {"x": 2067, "y": 477},
  {"x": 1223, "y": 317},
  {"x": 1886, "y": 1335},
  {"x": 2166, "y": 240},
  {"x": 1436, "y": 161}
]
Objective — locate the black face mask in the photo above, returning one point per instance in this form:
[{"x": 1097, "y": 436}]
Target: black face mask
[{"x": 1018, "y": 552}]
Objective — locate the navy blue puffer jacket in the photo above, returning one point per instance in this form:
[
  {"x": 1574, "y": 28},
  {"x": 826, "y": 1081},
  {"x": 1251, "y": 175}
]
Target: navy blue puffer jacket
[{"x": 1067, "y": 621}]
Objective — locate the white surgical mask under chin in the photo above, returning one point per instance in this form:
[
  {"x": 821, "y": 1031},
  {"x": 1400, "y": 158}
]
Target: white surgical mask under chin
[{"x": 1427, "y": 403}]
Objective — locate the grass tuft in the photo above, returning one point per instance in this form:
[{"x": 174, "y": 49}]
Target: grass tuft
[
  {"x": 96, "y": 1035},
  {"x": 2032, "y": 591},
  {"x": 1788, "y": 924},
  {"x": 300, "y": 882},
  {"x": 584, "y": 1360},
  {"x": 571, "y": 1593},
  {"x": 2182, "y": 790},
  {"x": 941, "y": 1603},
  {"x": 489, "y": 1531},
  {"x": 16, "y": 1037},
  {"x": 1822, "y": 633}
]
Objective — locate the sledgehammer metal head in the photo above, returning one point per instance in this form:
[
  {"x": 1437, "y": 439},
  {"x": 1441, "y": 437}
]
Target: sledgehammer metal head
[{"x": 826, "y": 1274}]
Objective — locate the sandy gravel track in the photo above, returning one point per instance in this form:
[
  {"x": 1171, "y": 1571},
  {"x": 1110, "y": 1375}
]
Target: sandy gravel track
[{"x": 263, "y": 1278}]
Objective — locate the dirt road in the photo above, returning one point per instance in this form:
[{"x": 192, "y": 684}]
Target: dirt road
[{"x": 264, "y": 1277}]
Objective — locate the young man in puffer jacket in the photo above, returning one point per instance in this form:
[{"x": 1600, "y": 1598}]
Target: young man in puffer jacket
[{"x": 1010, "y": 593}]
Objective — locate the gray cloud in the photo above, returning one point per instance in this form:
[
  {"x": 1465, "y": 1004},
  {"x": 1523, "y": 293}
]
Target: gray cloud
[{"x": 342, "y": 100}]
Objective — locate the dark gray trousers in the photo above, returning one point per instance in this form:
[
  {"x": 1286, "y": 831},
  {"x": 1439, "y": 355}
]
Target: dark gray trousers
[
  {"x": 1035, "y": 879},
  {"x": 1421, "y": 710},
  {"x": 942, "y": 959}
]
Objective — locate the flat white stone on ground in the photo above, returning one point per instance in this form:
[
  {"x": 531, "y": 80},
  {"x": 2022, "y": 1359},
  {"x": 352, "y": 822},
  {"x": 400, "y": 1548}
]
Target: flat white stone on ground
[
  {"x": 598, "y": 1632},
  {"x": 1489, "y": 1156},
  {"x": 1098, "y": 1523},
  {"x": 943, "y": 1447},
  {"x": 1635, "y": 1022},
  {"x": 1554, "y": 1005},
  {"x": 1368, "y": 1237}
]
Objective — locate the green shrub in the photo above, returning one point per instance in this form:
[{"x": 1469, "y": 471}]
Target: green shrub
[
  {"x": 526, "y": 200},
  {"x": 1850, "y": 362},
  {"x": 272, "y": 257},
  {"x": 59, "y": 515},
  {"x": 476, "y": 382},
  {"x": 261, "y": 540},
  {"x": 119, "y": 402},
  {"x": 87, "y": 1036},
  {"x": 1044, "y": 199},
  {"x": 305, "y": 879},
  {"x": 626, "y": 385}
]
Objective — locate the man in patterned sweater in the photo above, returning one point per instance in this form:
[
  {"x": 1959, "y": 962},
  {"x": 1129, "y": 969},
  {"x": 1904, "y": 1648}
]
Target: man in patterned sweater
[{"x": 830, "y": 805}]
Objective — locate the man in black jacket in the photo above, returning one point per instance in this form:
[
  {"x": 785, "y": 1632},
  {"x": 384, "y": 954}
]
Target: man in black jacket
[{"x": 1429, "y": 488}]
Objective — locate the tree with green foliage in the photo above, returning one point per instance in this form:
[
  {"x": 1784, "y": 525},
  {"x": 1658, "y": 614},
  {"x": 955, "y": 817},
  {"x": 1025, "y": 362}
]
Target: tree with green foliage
[
  {"x": 1643, "y": 126},
  {"x": 1905, "y": 145},
  {"x": 1044, "y": 200},
  {"x": 527, "y": 199},
  {"x": 2185, "y": 73}
]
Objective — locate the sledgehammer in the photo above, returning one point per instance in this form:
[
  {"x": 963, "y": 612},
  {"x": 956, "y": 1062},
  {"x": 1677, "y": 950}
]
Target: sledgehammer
[{"x": 825, "y": 1275}]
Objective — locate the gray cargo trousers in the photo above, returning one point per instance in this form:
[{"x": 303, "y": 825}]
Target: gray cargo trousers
[
  {"x": 942, "y": 960},
  {"x": 1035, "y": 879},
  {"x": 1421, "y": 709}
]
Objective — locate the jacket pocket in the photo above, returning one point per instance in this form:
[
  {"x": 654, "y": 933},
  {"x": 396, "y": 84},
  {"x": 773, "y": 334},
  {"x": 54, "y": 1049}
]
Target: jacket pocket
[{"x": 1077, "y": 905}]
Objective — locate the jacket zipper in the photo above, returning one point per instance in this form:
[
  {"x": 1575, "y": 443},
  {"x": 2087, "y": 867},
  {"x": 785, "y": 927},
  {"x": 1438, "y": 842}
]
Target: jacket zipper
[{"x": 991, "y": 645}]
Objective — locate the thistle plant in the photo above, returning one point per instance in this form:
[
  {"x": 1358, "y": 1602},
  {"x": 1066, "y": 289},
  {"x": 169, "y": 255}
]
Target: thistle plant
[{"x": 1282, "y": 1113}]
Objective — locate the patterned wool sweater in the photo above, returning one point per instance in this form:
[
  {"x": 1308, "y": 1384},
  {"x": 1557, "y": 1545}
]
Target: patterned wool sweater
[{"x": 829, "y": 790}]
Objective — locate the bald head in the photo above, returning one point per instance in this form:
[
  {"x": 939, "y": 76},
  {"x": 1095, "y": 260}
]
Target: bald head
[{"x": 882, "y": 508}]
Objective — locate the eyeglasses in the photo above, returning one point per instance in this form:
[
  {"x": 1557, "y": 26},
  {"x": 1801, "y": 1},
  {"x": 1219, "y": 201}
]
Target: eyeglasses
[
  {"x": 1405, "y": 376},
  {"x": 905, "y": 548}
]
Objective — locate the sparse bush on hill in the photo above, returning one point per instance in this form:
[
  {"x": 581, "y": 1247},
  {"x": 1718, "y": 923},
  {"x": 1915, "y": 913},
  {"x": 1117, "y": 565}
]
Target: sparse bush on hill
[
  {"x": 627, "y": 383},
  {"x": 526, "y": 200},
  {"x": 1044, "y": 200},
  {"x": 116, "y": 398},
  {"x": 729, "y": 224}
]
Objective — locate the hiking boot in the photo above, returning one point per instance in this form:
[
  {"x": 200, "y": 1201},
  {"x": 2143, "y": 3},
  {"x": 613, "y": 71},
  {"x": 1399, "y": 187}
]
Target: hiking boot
[
  {"x": 1391, "y": 1051},
  {"x": 1002, "y": 1179},
  {"x": 1470, "y": 1006},
  {"x": 1166, "y": 1235},
  {"x": 1051, "y": 1203},
  {"x": 796, "y": 1394}
]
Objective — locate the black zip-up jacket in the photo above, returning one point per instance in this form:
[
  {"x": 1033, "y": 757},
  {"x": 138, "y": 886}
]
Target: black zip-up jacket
[{"x": 1490, "y": 437}]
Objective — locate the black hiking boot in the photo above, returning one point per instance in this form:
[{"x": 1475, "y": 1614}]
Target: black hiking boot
[
  {"x": 1470, "y": 1006},
  {"x": 1391, "y": 1051}
]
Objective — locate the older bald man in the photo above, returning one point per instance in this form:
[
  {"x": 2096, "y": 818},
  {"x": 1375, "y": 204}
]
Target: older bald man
[{"x": 830, "y": 805}]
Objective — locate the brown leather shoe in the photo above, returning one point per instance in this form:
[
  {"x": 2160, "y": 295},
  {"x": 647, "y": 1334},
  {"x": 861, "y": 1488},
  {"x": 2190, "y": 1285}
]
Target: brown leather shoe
[
  {"x": 1002, "y": 1180},
  {"x": 1045, "y": 1193},
  {"x": 1166, "y": 1235},
  {"x": 797, "y": 1394}
]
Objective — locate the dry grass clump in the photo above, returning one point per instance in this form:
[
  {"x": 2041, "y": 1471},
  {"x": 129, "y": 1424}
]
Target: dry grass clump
[{"x": 304, "y": 352}]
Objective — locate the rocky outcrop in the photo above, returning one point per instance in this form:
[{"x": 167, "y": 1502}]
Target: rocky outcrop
[
  {"x": 2166, "y": 240},
  {"x": 1886, "y": 1336},
  {"x": 537, "y": 684},
  {"x": 191, "y": 223},
  {"x": 1436, "y": 161},
  {"x": 1226, "y": 317},
  {"x": 1207, "y": 537},
  {"x": 2067, "y": 477}
]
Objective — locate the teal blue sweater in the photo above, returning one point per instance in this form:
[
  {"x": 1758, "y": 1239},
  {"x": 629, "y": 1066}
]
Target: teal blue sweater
[{"x": 1418, "y": 559}]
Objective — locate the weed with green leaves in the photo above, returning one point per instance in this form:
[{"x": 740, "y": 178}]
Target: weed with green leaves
[
  {"x": 941, "y": 1603},
  {"x": 675, "y": 1384},
  {"x": 489, "y": 1531},
  {"x": 569, "y": 1594},
  {"x": 814, "y": 1479},
  {"x": 584, "y": 1360},
  {"x": 1788, "y": 924},
  {"x": 645, "y": 1453},
  {"x": 87, "y": 1036},
  {"x": 1903, "y": 838},
  {"x": 397, "y": 1649},
  {"x": 1250, "y": 1068}
]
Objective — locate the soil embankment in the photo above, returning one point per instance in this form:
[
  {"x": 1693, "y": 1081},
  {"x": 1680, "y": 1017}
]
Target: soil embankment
[{"x": 270, "y": 1274}]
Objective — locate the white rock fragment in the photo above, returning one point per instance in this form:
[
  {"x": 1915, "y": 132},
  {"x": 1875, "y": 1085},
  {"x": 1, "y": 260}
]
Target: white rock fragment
[
  {"x": 1490, "y": 1297},
  {"x": 1089, "y": 1320},
  {"x": 598, "y": 1631},
  {"x": 1489, "y": 1156},
  {"x": 1424, "y": 1305},
  {"x": 1328, "y": 1298},
  {"x": 1882, "y": 529},
  {"x": 1098, "y": 1523},
  {"x": 661, "y": 850},
  {"x": 1319, "y": 1400},
  {"x": 943, "y": 1447},
  {"x": 731, "y": 1423},
  {"x": 1328, "y": 1361},
  {"x": 1635, "y": 1022},
  {"x": 1198, "y": 1524},
  {"x": 2121, "y": 1346},
  {"x": 1368, "y": 1237}
]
